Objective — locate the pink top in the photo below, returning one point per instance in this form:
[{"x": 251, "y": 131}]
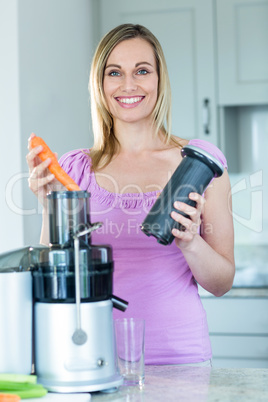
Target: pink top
[{"x": 154, "y": 279}]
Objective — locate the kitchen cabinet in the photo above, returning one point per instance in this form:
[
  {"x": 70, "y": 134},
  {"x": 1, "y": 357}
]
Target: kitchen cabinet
[
  {"x": 242, "y": 45},
  {"x": 185, "y": 31},
  {"x": 238, "y": 330}
]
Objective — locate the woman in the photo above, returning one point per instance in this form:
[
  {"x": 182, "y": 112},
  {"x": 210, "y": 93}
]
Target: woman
[{"x": 133, "y": 157}]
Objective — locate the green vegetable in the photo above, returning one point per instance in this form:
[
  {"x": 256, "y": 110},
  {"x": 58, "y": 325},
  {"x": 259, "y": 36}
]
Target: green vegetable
[
  {"x": 23, "y": 385},
  {"x": 18, "y": 378}
]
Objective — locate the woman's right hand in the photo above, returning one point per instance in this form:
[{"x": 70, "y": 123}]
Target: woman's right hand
[{"x": 40, "y": 180}]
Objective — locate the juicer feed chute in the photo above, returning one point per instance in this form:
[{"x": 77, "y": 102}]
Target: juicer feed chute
[{"x": 68, "y": 213}]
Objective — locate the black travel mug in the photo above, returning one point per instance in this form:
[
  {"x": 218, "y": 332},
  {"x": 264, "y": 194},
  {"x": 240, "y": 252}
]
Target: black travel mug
[{"x": 193, "y": 174}]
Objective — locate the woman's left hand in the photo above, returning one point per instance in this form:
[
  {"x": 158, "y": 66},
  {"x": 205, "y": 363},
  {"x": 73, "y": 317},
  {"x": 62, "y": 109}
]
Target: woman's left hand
[{"x": 191, "y": 224}]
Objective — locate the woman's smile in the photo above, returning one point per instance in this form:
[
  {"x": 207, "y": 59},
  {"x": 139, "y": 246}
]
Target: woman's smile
[{"x": 129, "y": 102}]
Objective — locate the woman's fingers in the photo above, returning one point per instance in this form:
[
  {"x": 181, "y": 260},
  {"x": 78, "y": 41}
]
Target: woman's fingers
[
  {"x": 29, "y": 141},
  {"x": 36, "y": 183},
  {"x": 41, "y": 169},
  {"x": 192, "y": 221},
  {"x": 40, "y": 180},
  {"x": 40, "y": 177},
  {"x": 181, "y": 219},
  {"x": 32, "y": 157},
  {"x": 37, "y": 173},
  {"x": 200, "y": 201},
  {"x": 193, "y": 214}
]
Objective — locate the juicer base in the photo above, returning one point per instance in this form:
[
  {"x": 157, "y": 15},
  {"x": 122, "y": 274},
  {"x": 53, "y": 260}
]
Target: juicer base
[{"x": 111, "y": 383}]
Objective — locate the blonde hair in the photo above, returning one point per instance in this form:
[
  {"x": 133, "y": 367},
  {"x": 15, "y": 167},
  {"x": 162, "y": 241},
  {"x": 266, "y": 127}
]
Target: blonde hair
[{"x": 105, "y": 142}]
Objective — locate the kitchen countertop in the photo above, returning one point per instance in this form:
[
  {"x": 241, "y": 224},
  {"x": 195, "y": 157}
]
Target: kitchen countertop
[
  {"x": 237, "y": 292},
  {"x": 200, "y": 384},
  {"x": 183, "y": 383}
]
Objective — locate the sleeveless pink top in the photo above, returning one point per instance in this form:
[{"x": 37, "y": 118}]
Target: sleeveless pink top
[{"x": 154, "y": 279}]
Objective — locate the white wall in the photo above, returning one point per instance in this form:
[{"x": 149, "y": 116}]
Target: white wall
[
  {"x": 45, "y": 52},
  {"x": 46, "y": 49},
  {"x": 11, "y": 223}
]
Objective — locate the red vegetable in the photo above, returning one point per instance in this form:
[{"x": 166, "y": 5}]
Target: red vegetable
[
  {"x": 9, "y": 398},
  {"x": 54, "y": 166}
]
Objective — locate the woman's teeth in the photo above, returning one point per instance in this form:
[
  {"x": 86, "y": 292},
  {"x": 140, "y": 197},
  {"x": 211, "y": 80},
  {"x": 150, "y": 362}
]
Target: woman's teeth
[{"x": 130, "y": 100}]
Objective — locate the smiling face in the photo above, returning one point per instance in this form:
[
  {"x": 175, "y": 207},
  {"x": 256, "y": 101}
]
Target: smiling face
[{"x": 131, "y": 81}]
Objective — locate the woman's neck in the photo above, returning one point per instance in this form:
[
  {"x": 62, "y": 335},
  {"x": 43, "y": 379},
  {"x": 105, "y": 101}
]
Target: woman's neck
[{"x": 136, "y": 138}]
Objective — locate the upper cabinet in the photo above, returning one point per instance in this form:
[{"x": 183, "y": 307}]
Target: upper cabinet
[
  {"x": 216, "y": 52},
  {"x": 186, "y": 32},
  {"x": 242, "y": 34}
]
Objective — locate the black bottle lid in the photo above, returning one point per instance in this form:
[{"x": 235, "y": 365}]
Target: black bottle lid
[{"x": 205, "y": 157}]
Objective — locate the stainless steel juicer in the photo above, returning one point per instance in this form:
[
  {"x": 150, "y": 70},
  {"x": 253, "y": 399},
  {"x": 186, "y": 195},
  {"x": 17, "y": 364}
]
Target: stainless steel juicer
[{"x": 74, "y": 345}]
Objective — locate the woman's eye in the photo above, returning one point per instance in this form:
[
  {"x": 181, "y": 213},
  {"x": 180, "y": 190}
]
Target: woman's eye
[
  {"x": 142, "y": 72},
  {"x": 114, "y": 73}
]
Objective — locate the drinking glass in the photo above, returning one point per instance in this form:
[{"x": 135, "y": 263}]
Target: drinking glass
[{"x": 129, "y": 334}]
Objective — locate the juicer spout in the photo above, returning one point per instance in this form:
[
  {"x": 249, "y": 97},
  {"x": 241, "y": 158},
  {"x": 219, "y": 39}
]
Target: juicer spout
[{"x": 118, "y": 303}]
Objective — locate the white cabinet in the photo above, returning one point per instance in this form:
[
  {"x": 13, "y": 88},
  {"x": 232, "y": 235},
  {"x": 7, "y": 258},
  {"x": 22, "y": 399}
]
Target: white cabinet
[
  {"x": 238, "y": 330},
  {"x": 242, "y": 32},
  {"x": 185, "y": 31}
]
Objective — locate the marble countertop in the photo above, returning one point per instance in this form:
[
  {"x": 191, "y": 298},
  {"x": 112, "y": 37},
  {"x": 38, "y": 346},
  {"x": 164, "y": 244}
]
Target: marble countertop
[{"x": 200, "y": 384}]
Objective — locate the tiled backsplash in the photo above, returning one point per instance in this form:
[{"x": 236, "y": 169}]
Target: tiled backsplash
[
  {"x": 251, "y": 266},
  {"x": 249, "y": 197}
]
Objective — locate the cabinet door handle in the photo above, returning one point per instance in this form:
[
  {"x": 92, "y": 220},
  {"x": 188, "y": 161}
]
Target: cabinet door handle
[{"x": 206, "y": 116}]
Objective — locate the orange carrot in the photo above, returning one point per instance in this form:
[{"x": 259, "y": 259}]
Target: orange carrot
[
  {"x": 54, "y": 166},
  {"x": 9, "y": 398}
]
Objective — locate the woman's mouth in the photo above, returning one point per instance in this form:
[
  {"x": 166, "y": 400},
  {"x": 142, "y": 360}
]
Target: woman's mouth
[{"x": 129, "y": 101}]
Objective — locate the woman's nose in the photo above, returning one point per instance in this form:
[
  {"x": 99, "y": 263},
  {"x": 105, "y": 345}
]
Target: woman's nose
[{"x": 128, "y": 84}]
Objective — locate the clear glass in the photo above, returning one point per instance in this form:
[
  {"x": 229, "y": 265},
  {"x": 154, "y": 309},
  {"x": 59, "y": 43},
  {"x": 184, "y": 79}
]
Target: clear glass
[{"x": 129, "y": 334}]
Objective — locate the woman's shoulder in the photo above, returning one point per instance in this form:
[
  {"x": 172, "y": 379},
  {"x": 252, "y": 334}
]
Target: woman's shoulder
[
  {"x": 76, "y": 156},
  {"x": 210, "y": 148},
  {"x": 77, "y": 164}
]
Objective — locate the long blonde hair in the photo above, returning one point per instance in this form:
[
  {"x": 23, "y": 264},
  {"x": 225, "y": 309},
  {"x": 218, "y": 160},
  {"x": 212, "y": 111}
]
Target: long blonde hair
[{"x": 105, "y": 142}]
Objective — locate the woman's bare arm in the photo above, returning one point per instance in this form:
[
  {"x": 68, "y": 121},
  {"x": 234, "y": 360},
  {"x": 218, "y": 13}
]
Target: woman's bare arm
[{"x": 210, "y": 255}]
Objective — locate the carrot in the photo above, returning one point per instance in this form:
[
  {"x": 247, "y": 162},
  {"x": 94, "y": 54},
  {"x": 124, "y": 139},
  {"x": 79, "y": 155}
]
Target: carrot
[
  {"x": 9, "y": 398},
  {"x": 54, "y": 166}
]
